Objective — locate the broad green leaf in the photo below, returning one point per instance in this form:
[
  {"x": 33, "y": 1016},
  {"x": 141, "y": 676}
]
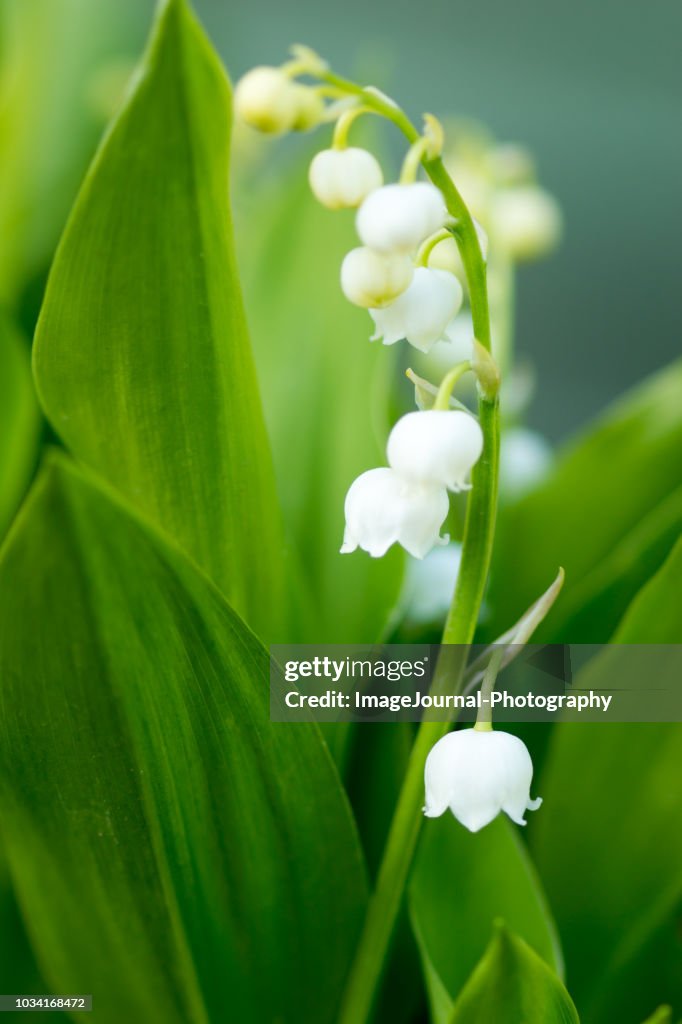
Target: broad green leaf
[
  {"x": 663, "y": 1015},
  {"x": 19, "y": 422},
  {"x": 512, "y": 985},
  {"x": 142, "y": 354},
  {"x": 63, "y": 63},
  {"x": 325, "y": 388},
  {"x": 597, "y": 515},
  {"x": 611, "y": 823},
  {"x": 461, "y": 883},
  {"x": 173, "y": 851}
]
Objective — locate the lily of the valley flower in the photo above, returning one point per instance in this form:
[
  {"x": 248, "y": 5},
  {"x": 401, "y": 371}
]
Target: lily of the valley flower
[
  {"x": 382, "y": 508},
  {"x": 526, "y": 221},
  {"x": 401, "y": 216},
  {"x": 343, "y": 178},
  {"x": 436, "y": 446},
  {"x": 423, "y": 312},
  {"x": 373, "y": 279},
  {"x": 477, "y": 774},
  {"x": 268, "y": 100}
]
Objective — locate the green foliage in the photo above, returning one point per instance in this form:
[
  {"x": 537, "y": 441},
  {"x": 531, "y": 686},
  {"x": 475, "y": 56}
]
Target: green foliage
[
  {"x": 510, "y": 985},
  {"x": 611, "y": 823},
  {"x": 168, "y": 843},
  {"x": 608, "y": 513},
  {"x": 326, "y": 393},
  {"x": 19, "y": 422},
  {"x": 142, "y": 355},
  {"x": 461, "y": 883}
]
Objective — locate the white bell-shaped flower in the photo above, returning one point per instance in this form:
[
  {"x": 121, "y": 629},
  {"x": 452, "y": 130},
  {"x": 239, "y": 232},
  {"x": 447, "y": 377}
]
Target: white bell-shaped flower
[
  {"x": 270, "y": 101},
  {"x": 423, "y": 311},
  {"x": 401, "y": 216},
  {"x": 477, "y": 774},
  {"x": 266, "y": 99},
  {"x": 372, "y": 279},
  {"x": 526, "y": 221},
  {"x": 436, "y": 447},
  {"x": 343, "y": 178},
  {"x": 383, "y": 509}
]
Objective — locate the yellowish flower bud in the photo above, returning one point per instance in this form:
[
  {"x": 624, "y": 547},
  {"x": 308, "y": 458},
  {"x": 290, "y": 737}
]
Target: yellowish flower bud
[{"x": 373, "y": 279}]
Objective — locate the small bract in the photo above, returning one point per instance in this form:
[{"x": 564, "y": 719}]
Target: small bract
[
  {"x": 477, "y": 774},
  {"x": 384, "y": 509},
  {"x": 436, "y": 447},
  {"x": 342, "y": 178},
  {"x": 423, "y": 311},
  {"x": 372, "y": 279},
  {"x": 401, "y": 216}
]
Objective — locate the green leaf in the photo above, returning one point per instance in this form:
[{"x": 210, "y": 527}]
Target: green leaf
[
  {"x": 174, "y": 852},
  {"x": 461, "y": 883},
  {"x": 609, "y": 791},
  {"x": 605, "y": 514},
  {"x": 19, "y": 422},
  {"x": 142, "y": 353},
  {"x": 63, "y": 61},
  {"x": 326, "y": 392},
  {"x": 663, "y": 1015},
  {"x": 512, "y": 985}
]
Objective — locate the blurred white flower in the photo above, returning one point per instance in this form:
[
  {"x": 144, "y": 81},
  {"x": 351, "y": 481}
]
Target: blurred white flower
[
  {"x": 430, "y": 584},
  {"x": 477, "y": 774},
  {"x": 342, "y": 178},
  {"x": 423, "y": 311},
  {"x": 373, "y": 279},
  {"x": 382, "y": 509},
  {"x": 525, "y": 221},
  {"x": 525, "y": 459},
  {"x": 270, "y": 101},
  {"x": 460, "y": 335},
  {"x": 436, "y": 447},
  {"x": 401, "y": 216}
]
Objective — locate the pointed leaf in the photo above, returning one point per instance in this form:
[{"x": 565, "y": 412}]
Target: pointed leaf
[
  {"x": 510, "y": 985},
  {"x": 170, "y": 846},
  {"x": 142, "y": 354},
  {"x": 461, "y": 883}
]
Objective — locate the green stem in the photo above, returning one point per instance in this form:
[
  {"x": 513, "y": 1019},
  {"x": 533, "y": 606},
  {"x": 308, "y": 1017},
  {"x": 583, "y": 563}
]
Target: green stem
[
  {"x": 484, "y": 718},
  {"x": 372, "y": 951}
]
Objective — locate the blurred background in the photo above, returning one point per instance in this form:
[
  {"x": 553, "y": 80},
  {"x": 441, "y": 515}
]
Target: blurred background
[{"x": 592, "y": 89}]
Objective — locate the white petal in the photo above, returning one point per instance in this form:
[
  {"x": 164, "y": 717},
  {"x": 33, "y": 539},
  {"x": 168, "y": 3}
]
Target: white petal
[
  {"x": 400, "y": 216},
  {"x": 370, "y": 278},
  {"x": 436, "y": 446},
  {"x": 383, "y": 509},
  {"x": 422, "y": 313},
  {"x": 344, "y": 177}
]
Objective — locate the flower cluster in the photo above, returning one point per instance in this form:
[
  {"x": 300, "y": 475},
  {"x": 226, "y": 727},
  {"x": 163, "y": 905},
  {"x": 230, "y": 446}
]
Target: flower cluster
[{"x": 428, "y": 453}]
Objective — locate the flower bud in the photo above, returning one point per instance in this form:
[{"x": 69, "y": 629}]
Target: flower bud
[
  {"x": 437, "y": 447},
  {"x": 309, "y": 107},
  {"x": 383, "y": 509},
  {"x": 526, "y": 222},
  {"x": 401, "y": 216},
  {"x": 423, "y": 311},
  {"x": 266, "y": 99},
  {"x": 477, "y": 774},
  {"x": 372, "y": 279},
  {"x": 344, "y": 177}
]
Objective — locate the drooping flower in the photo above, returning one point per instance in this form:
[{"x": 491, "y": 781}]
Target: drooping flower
[
  {"x": 373, "y": 279},
  {"x": 384, "y": 509},
  {"x": 401, "y": 216},
  {"x": 436, "y": 447},
  {"x": 477, "y": 774},
  {"x": 271, "y": 102},
  {"x": 526, "y": 221},
  {"x": 423, "y": 312},
  {"x": 341, "y": 178}
]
